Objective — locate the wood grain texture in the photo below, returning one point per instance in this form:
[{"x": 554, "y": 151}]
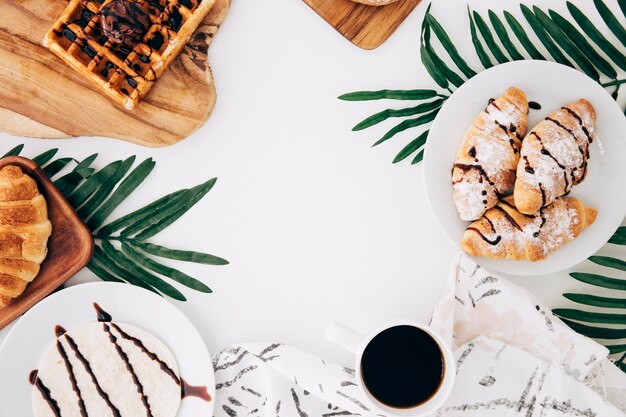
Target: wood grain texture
[
  {"x": 70, "y": 246},
  {"x": 365, "y": 26},
  {"x": 40, "y": 96}
]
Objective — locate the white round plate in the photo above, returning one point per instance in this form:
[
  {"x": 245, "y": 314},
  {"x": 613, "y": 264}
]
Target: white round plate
[
  {"x": 30, "y": 337},
  {"x": 552, "y": 86}
]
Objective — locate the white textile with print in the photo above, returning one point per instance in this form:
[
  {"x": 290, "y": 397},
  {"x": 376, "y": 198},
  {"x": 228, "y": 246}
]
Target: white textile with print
[{"x": 514, "y": 358}]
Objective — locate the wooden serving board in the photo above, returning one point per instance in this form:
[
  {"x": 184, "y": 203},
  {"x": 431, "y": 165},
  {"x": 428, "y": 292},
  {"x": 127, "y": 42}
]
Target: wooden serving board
[
  {"x": 365, "y": 26},
  {"x": 70, "y": 246},
  {"x": 41, "y": 96}
]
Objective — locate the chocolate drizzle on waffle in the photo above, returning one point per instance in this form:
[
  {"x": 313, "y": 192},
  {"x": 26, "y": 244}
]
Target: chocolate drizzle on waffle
[{"x": 125, "y": 45}]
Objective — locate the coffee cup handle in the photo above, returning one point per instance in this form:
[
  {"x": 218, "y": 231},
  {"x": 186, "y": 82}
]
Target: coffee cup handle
[{"x": 343, "y": 336}]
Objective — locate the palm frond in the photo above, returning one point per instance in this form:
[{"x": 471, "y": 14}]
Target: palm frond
[{"x": 96, "y": 194}]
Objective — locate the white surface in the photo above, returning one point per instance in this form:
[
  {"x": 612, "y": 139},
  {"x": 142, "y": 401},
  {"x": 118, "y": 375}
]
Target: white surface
[
  {"x": 549, "y": 84},
  {"x": 74, "y": 306},
  {"x": 317, "y": 226}
]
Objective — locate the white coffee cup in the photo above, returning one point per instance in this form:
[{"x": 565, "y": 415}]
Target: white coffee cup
[{"x": 356, "y": 343}]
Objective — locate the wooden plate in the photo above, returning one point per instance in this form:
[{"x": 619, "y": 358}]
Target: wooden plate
[
  {"x": 41, "y": 96},
  {"x": 69, "y": 247},
  {"x": 365, "y": 26}
]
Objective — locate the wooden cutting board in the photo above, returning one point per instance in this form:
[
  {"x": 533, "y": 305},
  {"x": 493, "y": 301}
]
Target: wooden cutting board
[
  {"x": 365, "y": 26},
  {"x": 40, "y": 96},
  {"x": 69, "y": 247}
]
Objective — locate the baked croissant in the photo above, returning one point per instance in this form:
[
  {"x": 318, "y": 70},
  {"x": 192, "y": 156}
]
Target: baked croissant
[
  {"x": 554, "y": 156},
  {"x": 24, "y": 232},
  {"x": 505, "y": 233},
  {"x": 485, "y": 164}
]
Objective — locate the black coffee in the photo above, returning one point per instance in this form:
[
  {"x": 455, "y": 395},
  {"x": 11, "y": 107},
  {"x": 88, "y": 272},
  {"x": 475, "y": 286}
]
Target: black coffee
[{"x": 402, "y": 367}]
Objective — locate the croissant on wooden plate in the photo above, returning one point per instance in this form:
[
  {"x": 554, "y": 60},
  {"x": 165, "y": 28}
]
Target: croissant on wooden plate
[
  {"x": 24, "y": 232},
  {"x": 505, "y": 233},
  {"x": 485, "y": 164},
  {"x": 554, "y": 156}
]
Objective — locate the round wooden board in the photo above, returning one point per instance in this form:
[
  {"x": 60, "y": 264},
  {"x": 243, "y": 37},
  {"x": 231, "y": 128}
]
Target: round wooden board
[{"x": 41, "y": 96}]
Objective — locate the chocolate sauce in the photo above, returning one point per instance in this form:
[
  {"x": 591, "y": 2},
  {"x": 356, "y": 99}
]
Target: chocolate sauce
[
  {"x": 543, "y": 195},
  {"x": 156, "y": 42},
  {"x": 144, "y": 58},
  {"x": 103, "y": 316},
  {"x": 84, "y": 18},
  {"x": 70, "y": 372},
  {"x": 534, "y": 105},
  {"x": 164, "y": 366},
  {"x": 175, "y": 20},
  {"x": 69, "y": 34},
  {"x": 472, "y": 152},
  {"x": 45, "y": 393},
  {"x": 187, "y": 3},
  {"x": 528, "y": 168},
  {"x": 124, "y": 22},
  {"x": 59, "y": 331},
  {"x": 156, "y": 4},
  {"x": 129, "y": 367},
  {"x": 32, "y": 377},
  {"x": 485, "y": 238},
  {"x": 91, "y": 53},
  {"x": 114, "y": 410},
  {"x": 198, "y": 391},
  {"x": 509, "y": 218},
  {"x": 131, "y": 81},
  {"x": 580, "y": 122},
  {"x": 485, "y": 202},
  {"x": 479, "y": 168},
  {"x": 493, "y": 229}
]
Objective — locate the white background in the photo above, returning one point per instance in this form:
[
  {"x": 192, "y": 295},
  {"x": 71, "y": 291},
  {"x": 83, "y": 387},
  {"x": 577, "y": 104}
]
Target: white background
[{"x": 317, "y": 226}]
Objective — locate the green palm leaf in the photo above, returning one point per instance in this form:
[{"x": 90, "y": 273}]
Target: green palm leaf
[
  {"x": 489, "y": 40},
  {"x": 519, "y": 32},
  {"x": 600, "y": 280},
  {"x": 123, "y": 190},
  {"x": 611, "y": 21},
  {"x": 388, "y": 113},
  {"x": 590, "y": 317},
  {"x": 596, "y": 301},
  {"x": 503, "y": 35},
  {"x": 478, "y": 46},
  {"x": 447, "y": 44},
  {"x": 596, "y": 332},
  {"x": 56, "y": 166},
  {"x": 402, "y": 126},
  {"x": 608, "y": 261},
  {"x": 138, "y": 217},
  {"x": 131, "y": 268},
  {"x": 581, "y": 42},
  {"x": 45, "y": 157},
  {"x": 15, "y": 151},
  {"x": 96, "y": 194},
  {"x": 596, "y": 36},
  {"x": 180, "y": 255},
  {"x": 105, "y": 189},
  {"x": 613, "y": 349},
  {"x": 413, "y": 146},
  {"x": 389, "y": 95},
  {"x": 172, "y": 273},
  {"x": 619, "y": 238},
  {"x": 543, "y": 36},
  {"x": 566, "y": 44}
]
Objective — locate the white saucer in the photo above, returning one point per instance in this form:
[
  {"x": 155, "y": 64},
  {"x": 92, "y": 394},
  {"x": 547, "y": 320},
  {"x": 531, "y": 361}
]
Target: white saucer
[
  {"x": 31, "y": 336},
  {"x": 552, "y": 86}
]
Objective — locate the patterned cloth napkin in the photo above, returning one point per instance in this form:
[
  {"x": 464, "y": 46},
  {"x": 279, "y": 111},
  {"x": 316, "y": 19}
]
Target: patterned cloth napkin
[{"x": 514, "y": 358}]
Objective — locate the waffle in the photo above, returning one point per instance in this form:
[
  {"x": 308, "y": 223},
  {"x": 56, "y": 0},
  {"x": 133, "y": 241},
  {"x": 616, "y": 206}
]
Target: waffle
[{"x": 125, "y": 73}]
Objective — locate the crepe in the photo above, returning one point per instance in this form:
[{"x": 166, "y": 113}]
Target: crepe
[{"x": 107, "y": 369}]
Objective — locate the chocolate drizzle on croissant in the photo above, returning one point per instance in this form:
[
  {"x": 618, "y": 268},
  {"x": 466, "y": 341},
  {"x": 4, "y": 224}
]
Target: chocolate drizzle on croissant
[
  {"x": 505, "y": 233},
  {"x": 555, "y": 156},
  {"x": 485, "y": 164}
]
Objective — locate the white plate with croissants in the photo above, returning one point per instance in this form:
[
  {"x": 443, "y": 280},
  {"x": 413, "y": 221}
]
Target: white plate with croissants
[{"x": 524, "y": 167}]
